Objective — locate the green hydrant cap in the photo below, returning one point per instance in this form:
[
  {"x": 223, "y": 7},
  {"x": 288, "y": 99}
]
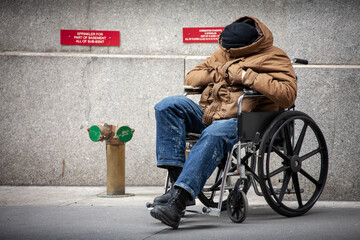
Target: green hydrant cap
[
  {"x": 124, "y": 134},
  {"x": 94, "y": 133}
]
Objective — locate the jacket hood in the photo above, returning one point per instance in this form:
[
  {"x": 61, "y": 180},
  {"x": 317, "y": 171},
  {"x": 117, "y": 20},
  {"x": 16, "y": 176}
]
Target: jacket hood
[{"x": 264, "y": 40}]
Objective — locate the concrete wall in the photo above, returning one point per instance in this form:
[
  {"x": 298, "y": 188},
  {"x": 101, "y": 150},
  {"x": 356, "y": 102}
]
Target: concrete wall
[{"x": 51, "y": 93}]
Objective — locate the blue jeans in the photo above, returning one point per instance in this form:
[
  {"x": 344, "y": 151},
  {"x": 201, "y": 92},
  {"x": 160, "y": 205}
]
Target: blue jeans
[{"x": 177, "y": 115}]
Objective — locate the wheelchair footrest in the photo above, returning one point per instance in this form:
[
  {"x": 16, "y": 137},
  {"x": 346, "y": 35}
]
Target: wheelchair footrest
[
  {"x": 211, "y": 211},
  {"x": 149, "y": 206}
]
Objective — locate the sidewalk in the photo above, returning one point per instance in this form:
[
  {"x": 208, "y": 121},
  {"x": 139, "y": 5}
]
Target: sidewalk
[{"x": 81, "y": 213}]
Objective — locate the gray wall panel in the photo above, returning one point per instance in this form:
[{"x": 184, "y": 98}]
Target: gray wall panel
[
  {"x": 331, "y": 97},
  {"x": 49, "y": 102},
  {"x": 322, "y": 31}
]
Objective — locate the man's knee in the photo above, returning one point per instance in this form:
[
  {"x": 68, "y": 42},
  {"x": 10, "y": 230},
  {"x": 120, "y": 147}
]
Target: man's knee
[{"x": 171, "y": 102}]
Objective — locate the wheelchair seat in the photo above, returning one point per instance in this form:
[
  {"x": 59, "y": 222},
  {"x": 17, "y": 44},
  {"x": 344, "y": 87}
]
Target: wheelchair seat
[{"x": 250, "y": 124}]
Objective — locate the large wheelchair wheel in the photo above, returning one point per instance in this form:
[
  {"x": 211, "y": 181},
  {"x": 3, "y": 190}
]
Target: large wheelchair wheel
[
  {"x": 209, "y": 196},
  {"x": 292, "y": 163}
]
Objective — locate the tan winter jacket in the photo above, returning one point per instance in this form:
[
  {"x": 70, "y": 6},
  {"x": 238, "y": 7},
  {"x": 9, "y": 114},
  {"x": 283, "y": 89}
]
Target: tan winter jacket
[{"x": 268, "y": 70}]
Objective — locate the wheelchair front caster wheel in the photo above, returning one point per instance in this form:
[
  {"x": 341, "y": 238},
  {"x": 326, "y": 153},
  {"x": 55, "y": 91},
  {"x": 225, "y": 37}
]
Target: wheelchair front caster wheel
[{"x": 237, "y": 206}]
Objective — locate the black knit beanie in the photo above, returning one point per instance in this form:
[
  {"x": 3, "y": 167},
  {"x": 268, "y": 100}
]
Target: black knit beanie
[{"x": 238, "y": 34}]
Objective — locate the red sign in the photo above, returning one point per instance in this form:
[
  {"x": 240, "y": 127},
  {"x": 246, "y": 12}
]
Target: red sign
[
  {"x": 88, "y": 37},
  {"x": 202, "y": 35}
]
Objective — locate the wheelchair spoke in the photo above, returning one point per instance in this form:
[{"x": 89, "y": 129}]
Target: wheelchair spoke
[
  {"x": 310, "y": 154},
  {"x": 235, "y": 212},
  {"x": 300, "y": 140},
  {"x": 289, "y": 147},
  {"x": 277, "y": 171},
  {"x": 297, "y": 189},
  {"x": 280, "y": 154},
  {"x": 285, "y": 185},
  {"x": 308, "y": 176}
]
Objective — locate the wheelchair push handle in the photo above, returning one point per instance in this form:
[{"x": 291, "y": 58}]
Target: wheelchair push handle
[
  {"x": 190, "y": 90},
  {"x": 299, "y": 60}
]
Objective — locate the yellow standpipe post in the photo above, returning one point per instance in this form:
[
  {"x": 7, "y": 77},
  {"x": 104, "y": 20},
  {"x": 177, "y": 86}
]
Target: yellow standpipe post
[
  {"x": 115, "y": 136},
  {"x": 115, "y": 159}
]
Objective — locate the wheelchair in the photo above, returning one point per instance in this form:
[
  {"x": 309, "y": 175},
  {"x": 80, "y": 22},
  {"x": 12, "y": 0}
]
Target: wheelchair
[{"x": 283, "y": 155}]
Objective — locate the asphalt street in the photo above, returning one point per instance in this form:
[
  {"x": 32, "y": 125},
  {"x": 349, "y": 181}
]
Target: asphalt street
[{"x": 81, "y": 213}]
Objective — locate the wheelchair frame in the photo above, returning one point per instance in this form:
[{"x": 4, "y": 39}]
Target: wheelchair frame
[{"x": 272, "y": 134}]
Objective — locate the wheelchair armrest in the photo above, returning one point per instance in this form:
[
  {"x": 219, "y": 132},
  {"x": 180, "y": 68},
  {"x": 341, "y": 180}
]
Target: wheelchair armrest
[
  {"x": 190, "y": 90},
  {"x": 252, "y": 93},
  {"x": 247, "y": 93}
]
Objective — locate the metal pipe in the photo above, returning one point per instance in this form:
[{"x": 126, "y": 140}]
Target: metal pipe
[{"x": 115, "y": 163}]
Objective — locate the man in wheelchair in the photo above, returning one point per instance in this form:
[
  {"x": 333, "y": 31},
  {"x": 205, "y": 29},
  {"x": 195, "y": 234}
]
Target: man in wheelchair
[{"x": 246, "y": 58}]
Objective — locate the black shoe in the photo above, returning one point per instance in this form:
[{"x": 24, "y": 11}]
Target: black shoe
[
  {"x": 161, "y": 200},
  {"x": 171, "y": 212}
]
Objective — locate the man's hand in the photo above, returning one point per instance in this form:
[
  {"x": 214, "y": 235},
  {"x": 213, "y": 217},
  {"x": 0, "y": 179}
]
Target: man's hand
[{"x": 236, "y": 74}]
